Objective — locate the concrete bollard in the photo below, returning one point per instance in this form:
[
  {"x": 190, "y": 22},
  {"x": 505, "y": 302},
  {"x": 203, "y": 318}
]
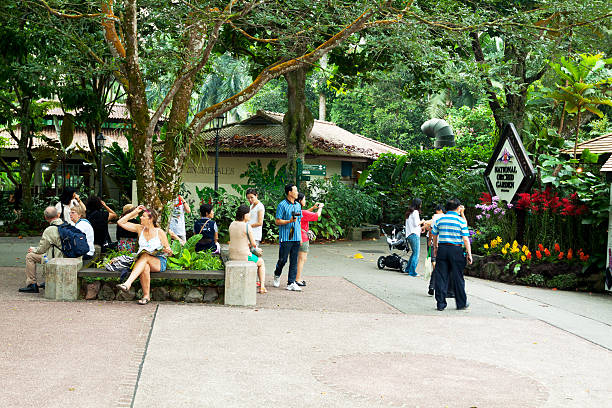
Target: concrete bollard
[
  {"x": 62, "y": 281},
  {"x": 240, "y": 279}
]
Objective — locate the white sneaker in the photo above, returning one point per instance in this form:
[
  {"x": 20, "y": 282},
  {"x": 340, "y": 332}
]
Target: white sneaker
[
  {"x": 276, "y": 282},
  {"x": 294, "y": 286}
]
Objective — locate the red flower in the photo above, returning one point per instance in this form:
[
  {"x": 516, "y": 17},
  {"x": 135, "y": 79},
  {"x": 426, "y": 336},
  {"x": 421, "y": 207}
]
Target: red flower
[
  {"x": 557, "y": 248},
  {"x": 539, "y": 254},
  {"x": 540, "y": 247},
  {"x": 570, "y": 254},
  {"x": 529, "y": 255},
  {"x": 561, "y": 255},
  {"x": 546, "y": 252},
  {"x": 485, "y": 198},
  {"x": 524, "y": 201}
]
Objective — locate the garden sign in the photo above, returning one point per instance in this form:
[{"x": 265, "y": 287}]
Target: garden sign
[{"x": 509, "y": 171}]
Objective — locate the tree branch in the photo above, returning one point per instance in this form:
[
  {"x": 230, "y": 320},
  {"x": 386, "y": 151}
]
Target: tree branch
[
  {"x": 56, "y": 13},
  {"x": 8, "y": 170}
]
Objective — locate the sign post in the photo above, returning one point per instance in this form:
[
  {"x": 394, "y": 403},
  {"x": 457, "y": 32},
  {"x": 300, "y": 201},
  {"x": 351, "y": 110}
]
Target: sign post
[
  {"x": 509, "y": 171},
  {"x": 304, "y": 171}
]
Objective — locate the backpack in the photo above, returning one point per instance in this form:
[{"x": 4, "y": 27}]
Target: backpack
[{"x": 74, "y": 241}]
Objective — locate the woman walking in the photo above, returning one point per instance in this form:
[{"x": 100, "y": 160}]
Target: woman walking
[
  {"x": 413, "y": 234},
  {"x": 150, "y": 240},
  {"x": 307, "y": 216}
]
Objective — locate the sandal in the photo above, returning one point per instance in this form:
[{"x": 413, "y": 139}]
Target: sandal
[
  {"x": 144, "y": 301},
  {"x": 122, "y": 287},
  {"x": 263, "y": 290}
]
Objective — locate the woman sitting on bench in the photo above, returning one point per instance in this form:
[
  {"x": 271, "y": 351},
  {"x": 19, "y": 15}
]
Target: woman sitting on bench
[{"x": 153, "y": 248}]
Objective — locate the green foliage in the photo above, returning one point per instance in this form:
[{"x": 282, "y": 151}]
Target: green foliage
[
  {"x": 434, "y": 176},
  {"x": 186, "y": 258},
  {"x": 533, "y": 279},
  {"x": 563, "y": 281},
  {"x": 345, "y": 206},
  {"x": 472, "y": 126}
]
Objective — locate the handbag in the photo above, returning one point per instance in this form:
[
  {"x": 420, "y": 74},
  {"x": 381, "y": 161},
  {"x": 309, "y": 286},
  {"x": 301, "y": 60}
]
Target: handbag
[
  {"x": 254, "y": 250},
  {"x": 428, "y": 267}
]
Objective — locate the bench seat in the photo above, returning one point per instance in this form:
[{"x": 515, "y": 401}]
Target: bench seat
[{"x": 168, "y": 274}]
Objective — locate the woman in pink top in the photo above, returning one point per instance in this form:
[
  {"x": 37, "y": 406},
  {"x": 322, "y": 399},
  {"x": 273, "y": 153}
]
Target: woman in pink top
[{"x": 307, "y": 216}]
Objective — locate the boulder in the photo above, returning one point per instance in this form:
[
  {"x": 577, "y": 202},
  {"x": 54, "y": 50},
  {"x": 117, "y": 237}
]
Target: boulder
[
  {"x": 159, "y": 293},
  {"x": 92, "y": 290},
  {"x": 177, "y": 293},
  {"x": 491, "y": 271},
  {"x": 106, "y": 292},
  {"x": 210, "y": 294},
  {"x": 129, "y": 295},
  {"x": 193, "y": 296}
]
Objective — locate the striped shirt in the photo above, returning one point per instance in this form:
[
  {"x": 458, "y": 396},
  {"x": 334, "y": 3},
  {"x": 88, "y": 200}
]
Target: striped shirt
[
  {"x": 450, "y": 228},
  {"x": 283, "y": 212}
]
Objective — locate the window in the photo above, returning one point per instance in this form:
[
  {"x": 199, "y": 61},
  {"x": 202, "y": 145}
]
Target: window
[{"x": 347, "y": 169}]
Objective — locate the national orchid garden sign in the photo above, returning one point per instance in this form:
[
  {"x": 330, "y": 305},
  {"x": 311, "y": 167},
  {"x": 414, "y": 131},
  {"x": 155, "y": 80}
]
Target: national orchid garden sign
[{"x": 509, "y": 171}]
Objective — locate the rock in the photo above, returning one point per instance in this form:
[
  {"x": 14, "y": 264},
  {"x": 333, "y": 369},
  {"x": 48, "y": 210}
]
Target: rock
[
  {"x": 106, "y": 292},
  {"x": 92, "y": 290},
  {"x": 595, "y": 282},
  {"x": 159, "y": 293},
  {"x": 177, "y": 293},
  {"x": 193, "y": 296},
  {"x": 210, "y": 294},
  {"x": 491, "y": 271},
  {"x": 129, "y": 295}
]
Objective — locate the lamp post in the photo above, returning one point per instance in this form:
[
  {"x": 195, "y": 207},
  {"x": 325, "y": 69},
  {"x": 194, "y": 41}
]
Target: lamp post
[
  {"x": 100, "y": 139},
  {"x": 218, "y": 121}
]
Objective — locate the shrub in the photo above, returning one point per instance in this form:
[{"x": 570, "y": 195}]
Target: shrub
[{"x": 564, "y": 281}]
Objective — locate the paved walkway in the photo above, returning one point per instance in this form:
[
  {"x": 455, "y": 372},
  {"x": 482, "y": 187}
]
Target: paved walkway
[{"x": 356, "y": 337}]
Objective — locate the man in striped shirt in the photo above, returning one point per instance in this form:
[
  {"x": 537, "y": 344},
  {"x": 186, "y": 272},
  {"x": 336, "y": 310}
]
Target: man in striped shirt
[
  {"x": 288, "y": 214},
  {"x": 450, "y": 232}
]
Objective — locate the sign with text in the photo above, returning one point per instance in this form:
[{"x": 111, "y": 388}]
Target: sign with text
[
  {"x": 314, "y": 170},
  {"x": 509, "y": 171}
]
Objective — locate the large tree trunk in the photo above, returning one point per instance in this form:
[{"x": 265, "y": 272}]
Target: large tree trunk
[
  {"x": 26, "y": 165},
  {"x": 298, "y": 120}
]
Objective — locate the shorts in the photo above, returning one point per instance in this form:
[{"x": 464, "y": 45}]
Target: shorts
[
  {"x": 253, "y": 258},
  {"x": 163, "y": 262},
  {"x": 305, "y": 246}
]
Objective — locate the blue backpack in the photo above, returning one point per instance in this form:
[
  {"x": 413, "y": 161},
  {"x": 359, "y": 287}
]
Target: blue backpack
[{"x": 74, "y": 241}]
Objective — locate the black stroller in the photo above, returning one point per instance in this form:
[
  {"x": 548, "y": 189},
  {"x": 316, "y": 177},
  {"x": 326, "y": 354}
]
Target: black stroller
[{"x": 396, "y": 240}]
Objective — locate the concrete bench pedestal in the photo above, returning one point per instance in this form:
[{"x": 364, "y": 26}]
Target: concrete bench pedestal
[
  {"x": 240, "y": 280},
  {"x": 62, "y": 281}
]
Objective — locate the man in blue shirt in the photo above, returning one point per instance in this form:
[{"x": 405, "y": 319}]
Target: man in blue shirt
[
  {"x": 450, "y": 232},
  {"x": 288, "y": 214}
]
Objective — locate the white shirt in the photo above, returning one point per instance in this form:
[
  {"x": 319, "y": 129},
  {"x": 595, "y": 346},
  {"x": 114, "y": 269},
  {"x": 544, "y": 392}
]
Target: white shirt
[
  {"x": 413, "y": 224},
  {"x": 66, "y": 215},
  {"x": 177, "y": 223},
  {"x": 257, "y": 231},
  {"x": 84, "y": 226}
]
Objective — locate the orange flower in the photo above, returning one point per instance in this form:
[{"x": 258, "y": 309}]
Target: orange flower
[
  {"x": 546, "y": 252},
  {"x": 540, "y": 247},
  {"x": 529, "y": 255},
  {"x": 538, "y": 254},
  {"x": 557, "y": 248},
  {"x": 561, "y": 255},
  {"x": 570, "y": 254}
]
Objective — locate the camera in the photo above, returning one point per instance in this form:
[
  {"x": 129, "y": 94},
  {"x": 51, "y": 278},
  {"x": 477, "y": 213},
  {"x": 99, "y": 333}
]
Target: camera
[{"x": 296, "y": 214}]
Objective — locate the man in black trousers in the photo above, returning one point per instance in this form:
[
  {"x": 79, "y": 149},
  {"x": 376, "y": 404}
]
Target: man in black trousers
[{"x": 450, "y": 233}]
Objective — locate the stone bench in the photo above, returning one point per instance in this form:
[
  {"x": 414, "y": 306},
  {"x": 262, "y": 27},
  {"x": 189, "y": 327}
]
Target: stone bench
[
  {"x": 358, "y": 233},
  {"x": 62, "y": 282}
]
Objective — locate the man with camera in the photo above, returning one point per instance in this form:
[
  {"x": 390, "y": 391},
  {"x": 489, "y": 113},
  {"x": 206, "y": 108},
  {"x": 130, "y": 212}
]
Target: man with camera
[{"x": 288, "y": 214}]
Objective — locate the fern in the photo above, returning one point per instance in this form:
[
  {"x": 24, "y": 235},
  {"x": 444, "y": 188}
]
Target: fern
[{"x": 191, "y": 242}]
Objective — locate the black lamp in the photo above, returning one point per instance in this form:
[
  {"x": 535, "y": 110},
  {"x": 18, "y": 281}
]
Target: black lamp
[
  {"x": 100, "y": 140},
  {"x": 218, "y": 122}
]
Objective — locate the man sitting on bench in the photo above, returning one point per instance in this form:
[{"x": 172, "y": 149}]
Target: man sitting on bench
[{"x": 48, "y": 243}]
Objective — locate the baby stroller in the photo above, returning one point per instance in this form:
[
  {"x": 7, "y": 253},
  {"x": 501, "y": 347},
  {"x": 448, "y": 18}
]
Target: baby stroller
[{"x": 396, "y": 239}]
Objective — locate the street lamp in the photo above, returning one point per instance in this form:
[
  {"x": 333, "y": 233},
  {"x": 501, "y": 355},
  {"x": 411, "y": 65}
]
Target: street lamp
[
  {"x": 100, "y": 139},
  {"x": 218, "y": 122}
]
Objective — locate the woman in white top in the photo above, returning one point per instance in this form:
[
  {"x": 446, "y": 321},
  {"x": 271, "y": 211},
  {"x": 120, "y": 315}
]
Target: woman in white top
[
  {"x": 68, "y": 199},
  {"x": 256, "y": 215},
  {"x": 413, "y": 235},
  {"x": 241, "y": 242},
  {"x": 150, "y": 239}
]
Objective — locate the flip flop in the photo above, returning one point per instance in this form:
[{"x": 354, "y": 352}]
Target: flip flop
[
  {"x": 144, "y": 301},
  {"x": 263, "y": 290},
  {"x": 122, "y": 287}
]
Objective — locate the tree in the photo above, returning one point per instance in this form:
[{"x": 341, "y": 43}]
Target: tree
[{"x": 135, "y": 37}]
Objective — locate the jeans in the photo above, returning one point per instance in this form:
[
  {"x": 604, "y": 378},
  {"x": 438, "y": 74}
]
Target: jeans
[
  {"x": 288, "y": 249},
  {"x": 450, "y": 263},
  {"x": 415, "y": 245}
]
